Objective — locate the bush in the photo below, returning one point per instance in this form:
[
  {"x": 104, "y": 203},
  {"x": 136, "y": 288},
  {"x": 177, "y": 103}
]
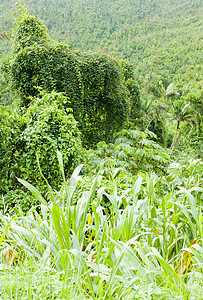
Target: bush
[
  {"x": 12, "y": 124},
  {"x": 45, "y": 128},
  {"x": 18, "y": 199},
  {"x": 133, "y": 151},
  {"x": 29, "y": 30},
  {"x": 50, "y": 128}
]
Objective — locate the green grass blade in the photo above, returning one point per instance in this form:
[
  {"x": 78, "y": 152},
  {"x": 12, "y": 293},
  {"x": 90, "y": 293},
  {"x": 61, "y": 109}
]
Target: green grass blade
[{"x": 34, "y": 191}]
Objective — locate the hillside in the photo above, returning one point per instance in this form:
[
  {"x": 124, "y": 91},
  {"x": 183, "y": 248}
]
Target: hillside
[
  {"x": 101, "y": 151},
  {"x": 161, "y": 37}
]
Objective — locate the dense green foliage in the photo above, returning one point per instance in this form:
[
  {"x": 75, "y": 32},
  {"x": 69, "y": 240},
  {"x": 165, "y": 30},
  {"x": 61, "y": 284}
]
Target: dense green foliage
[
  {"x": 91, "y": 81},
  {"x": 99, "y": 91},
  {"x": 161, "y": 39},
  {"x": 127, "y": 224},
  {"x": 164, "y": 35},
  {"x": 43, "y": 129},
  {"x": 29, "y": 31},
  {"x": 133, "y": 151},
  {"x": 114, "y": 238}
]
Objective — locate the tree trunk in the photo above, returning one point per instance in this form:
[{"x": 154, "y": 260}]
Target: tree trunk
[
  {"x": 174, "y": 138},
  {"x": 177, "y": 141}
]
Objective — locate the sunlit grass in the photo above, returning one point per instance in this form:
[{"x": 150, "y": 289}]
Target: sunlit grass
[
  {"x": 32, "y": 280},
  {"x": 92, "y": 241}
]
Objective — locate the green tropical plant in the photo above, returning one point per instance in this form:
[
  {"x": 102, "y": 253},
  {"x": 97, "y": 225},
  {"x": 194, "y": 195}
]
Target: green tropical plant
[
  {"x": 45, "y": 127},
  {"x": 132, "y": 151},
  {"x": 180, "y": 111},
  {"x": 147, "y": 242}
]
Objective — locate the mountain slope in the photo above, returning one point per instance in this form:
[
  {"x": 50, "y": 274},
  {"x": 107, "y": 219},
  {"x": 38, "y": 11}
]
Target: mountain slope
[{"x": 158, "y": 36}]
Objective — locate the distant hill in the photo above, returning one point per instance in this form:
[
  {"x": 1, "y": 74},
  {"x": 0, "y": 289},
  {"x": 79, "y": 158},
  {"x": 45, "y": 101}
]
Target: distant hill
[{"x": 160, "y": 37}]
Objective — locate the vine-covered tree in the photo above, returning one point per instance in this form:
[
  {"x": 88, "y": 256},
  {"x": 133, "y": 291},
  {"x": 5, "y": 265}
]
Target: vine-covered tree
[{"x": 92, "y": 82}]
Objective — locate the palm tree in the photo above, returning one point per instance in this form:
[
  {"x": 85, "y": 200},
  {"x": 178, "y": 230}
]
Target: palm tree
[{"x": 179, "y": 111}]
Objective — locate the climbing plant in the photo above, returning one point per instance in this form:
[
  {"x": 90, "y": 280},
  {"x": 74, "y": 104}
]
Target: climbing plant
[
  {"x": 28, "y": 30},
  {"x": 92, "y": 82},
  {"x": 104, "y": 94},
  {"x": 45, "y": 128},
  {"x": 135, "y": 110}
]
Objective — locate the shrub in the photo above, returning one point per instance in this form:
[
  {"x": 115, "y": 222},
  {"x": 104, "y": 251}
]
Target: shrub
[
  {"x": 45, "y": 127},
  {"x": 50, "y": 128},
  {"x": 18, "y": 200},
  {"x": 12, "y": 124}
]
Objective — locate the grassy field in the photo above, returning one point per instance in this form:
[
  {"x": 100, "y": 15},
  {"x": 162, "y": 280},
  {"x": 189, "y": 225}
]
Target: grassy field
[{"x": 107, "y": 236}]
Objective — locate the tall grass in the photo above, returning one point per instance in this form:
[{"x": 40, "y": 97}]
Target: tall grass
[{"x": 103, "y": 242}]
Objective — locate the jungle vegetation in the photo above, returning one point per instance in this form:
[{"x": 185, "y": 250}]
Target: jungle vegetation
[{"x": 101, "y": 122}]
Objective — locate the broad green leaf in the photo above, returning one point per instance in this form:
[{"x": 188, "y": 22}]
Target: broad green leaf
[{"x": 34, "y": 191}]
